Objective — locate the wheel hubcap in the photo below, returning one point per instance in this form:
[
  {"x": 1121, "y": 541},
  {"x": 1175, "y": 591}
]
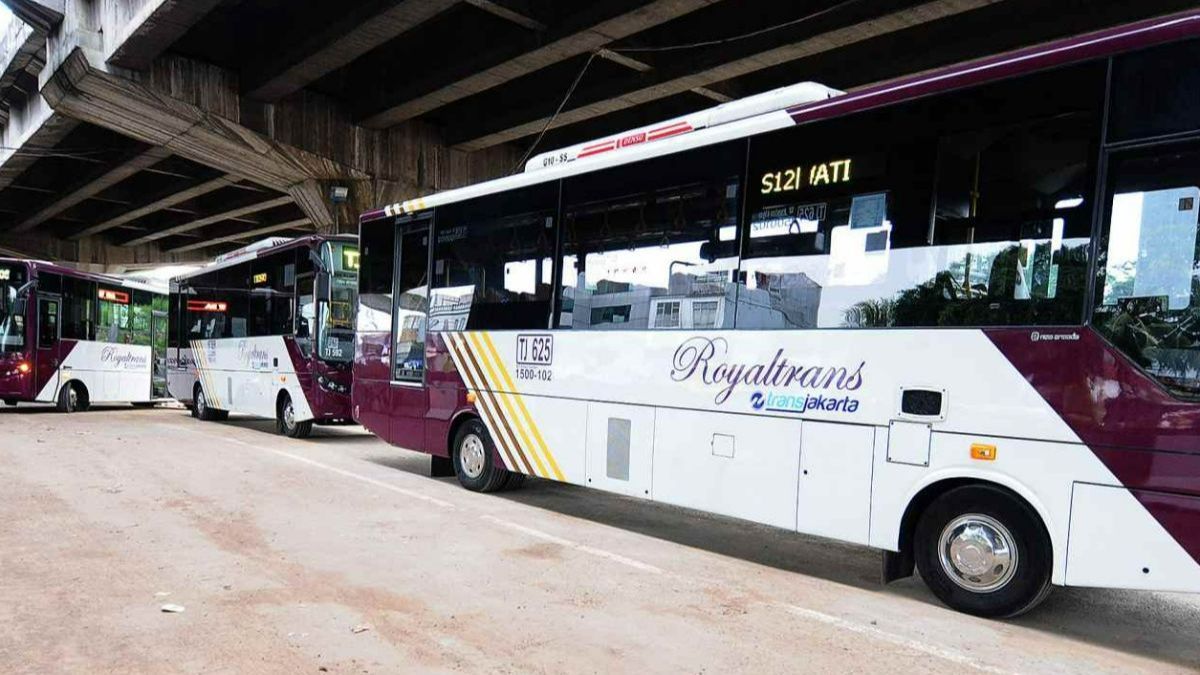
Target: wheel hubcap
[
  {"x": 289, "y": 415},
  {"x": 73, "y": 398},
  {"x": 472, "y": 455},
  {"x": 977, "y": 552},
  {"x": 201, "y": 404}
]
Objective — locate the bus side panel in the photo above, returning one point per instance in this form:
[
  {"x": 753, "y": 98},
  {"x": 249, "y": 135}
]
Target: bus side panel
[
  {"x": 111, "y": 372},
  {"x": 1116, "y": 544},
  {"x": 735, "y": 465},
  {"x": 245, "y": 375}
]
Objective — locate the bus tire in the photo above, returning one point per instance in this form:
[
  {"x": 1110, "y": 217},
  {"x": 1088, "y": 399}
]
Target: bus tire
[
  {"x": 285, "y": 420},
  {"x": 475, "y": 459},
  {"x": 69, "y": 399},
  {"x": 200, "y": 408},
  {"x": 984, "y": 551}
]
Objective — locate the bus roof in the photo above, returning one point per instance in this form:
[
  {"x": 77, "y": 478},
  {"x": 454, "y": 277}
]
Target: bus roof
[
  {"x": 971, "y": 73},
  {"x": 264, "y": 248},
  {"x": 111, "y": 279}
]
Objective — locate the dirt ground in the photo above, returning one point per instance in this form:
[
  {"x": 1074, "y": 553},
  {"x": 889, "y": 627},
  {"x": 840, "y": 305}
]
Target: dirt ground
[{"x": 339, "y": 554}]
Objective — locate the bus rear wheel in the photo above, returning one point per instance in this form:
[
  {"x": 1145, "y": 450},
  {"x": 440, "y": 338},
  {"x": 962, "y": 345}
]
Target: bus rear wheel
[
  {"x": 285, "y": 420},
  {"x": 983, "y": 551},
  {"x": 475, "y": 462},
  {"x": 203, "y": 411}
]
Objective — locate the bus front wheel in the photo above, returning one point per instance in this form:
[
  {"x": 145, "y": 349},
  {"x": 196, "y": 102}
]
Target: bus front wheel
[
  {"x": 984, "y": 551},
  {"x": 475, "y": 459},
  {"x": 286, "y": 422},
  {"x": 70, "y": 399}
]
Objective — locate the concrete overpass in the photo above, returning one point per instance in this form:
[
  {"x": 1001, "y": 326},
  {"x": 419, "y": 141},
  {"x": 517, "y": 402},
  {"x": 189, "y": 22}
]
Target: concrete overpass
[{"x": 137, "y": 132}]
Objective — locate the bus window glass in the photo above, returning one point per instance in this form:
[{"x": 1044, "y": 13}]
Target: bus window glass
[
  {"x": 337, "y": 312},
  {"x": 141, "y": 314},
  {"x": 114, "y": 315},
  {"x": 493, "y": 261},
  {"x": 378, "y": 241},
  {"x": 978, "y": 215},
  {"x": 306, "y": 314},
  {"x": 1148, "y": 281},
  {"x": 645, "y": 244},
  {"x": 79, "y": 305},
  {"x": 12, "y": 320},
  {"x": 48, "y": 314},
  {"x": 412, "y": 305}
]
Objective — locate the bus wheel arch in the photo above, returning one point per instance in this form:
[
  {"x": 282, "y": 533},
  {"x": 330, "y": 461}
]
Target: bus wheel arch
[
  {"x": 976, "y": 515},
  {"x": 73, "y": 396},
  {"x": 201, "y": 409}
]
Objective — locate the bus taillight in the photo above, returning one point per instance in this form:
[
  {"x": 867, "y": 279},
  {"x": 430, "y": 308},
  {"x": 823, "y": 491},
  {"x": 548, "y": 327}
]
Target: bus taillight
[{"x": 24, "y": 367}]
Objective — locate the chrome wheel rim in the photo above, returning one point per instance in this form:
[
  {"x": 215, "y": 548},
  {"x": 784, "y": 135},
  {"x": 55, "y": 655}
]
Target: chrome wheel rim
[
  {"x": 289, "y": 415},
  {"x": 201, "y": 404},
  {"x": 978, "y": 553},
  {"x": 72, "y": 397},
  {"x": 472, "y": 455}
]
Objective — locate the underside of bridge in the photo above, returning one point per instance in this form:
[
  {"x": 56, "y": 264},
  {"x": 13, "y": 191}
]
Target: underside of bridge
[{"x": 144, "y": 132}]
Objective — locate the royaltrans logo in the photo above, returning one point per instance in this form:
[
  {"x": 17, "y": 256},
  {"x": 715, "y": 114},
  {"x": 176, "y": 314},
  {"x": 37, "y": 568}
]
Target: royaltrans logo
[{"x": 795, "y": 386}]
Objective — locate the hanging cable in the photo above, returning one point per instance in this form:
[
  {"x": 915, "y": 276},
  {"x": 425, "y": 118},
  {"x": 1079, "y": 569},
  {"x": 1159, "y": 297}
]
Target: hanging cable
[
  {"x": 735, "y": 38},
  {"x": 546, "y": 126}
]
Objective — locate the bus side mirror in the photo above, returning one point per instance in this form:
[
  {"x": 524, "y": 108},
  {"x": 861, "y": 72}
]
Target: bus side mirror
[
  {"x": 318, "y": 264},
  {"x": 322, "y": 286}
]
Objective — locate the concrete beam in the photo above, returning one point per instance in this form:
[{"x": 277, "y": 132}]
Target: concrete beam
[
  {"x": 269, "y": 229},
  {"x": 42, "y": 15},
  {"x": 142, "y": 37},
  {"x": 84, "y": 92},
  {"x": 588, "y": 32},
  {"x": 231, "y": 214},
  {"x": 18, "y": 51},
  {"x": 642, "y": 89},
  {"x": 349, "y": 33},
  {"x": 95, "y": 186},
  {"x": 157, "y": 205},
  {"x": 496, "y": 9}
]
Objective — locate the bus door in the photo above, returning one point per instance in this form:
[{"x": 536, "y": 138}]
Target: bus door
[
  {"x": 306, "y": 313},
  {"x": 49, "y": 331},
  {"x": 408, "y": 397},
  {"x": 158, "y": 354}
]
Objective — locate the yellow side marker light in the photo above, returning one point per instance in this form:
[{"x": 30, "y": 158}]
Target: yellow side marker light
[
  {"x": 472, "y": 397},
  {"x": 983, "y": 452}
]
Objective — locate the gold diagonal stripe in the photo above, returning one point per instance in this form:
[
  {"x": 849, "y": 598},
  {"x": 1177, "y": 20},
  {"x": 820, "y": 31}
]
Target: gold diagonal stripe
[
  {"x": 497, "y": 422},
  {"x": 469, "y": 380},
  {"x": 537, "y": 434},
  {"x": 202, "y": 372},
  {"x": 516, "y": 418}
]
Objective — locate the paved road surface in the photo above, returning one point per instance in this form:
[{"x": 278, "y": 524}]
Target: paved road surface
[{"x": 281, "y": 550}]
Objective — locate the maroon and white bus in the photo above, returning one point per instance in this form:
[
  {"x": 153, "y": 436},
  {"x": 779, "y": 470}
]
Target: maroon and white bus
[
  {"x": 955, "y": 317},
  {"x": 268, "y": 330},
  {"x": 74, "y": 339}
]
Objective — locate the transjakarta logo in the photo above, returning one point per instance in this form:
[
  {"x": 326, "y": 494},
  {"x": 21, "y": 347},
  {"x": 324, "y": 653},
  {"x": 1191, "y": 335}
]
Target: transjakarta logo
[
  {"x": 707, "y": 360},
  {"x": 802, "y": 403}
]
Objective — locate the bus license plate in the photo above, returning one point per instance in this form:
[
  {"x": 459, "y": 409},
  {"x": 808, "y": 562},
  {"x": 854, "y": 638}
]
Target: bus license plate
[{"x": 535, "y": 350}]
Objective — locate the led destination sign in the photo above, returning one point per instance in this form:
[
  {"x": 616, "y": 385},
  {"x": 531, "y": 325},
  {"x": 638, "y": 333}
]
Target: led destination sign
[{"x": 796, "y": 178}]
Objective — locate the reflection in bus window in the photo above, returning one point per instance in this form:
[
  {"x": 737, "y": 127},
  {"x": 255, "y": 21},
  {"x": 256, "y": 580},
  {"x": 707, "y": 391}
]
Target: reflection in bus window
[
  {"x": 412, "y": 306},
  {"x": 643, "y": 245},
  {"x": 493, "y": 261},
  {"x": 1005, "y": 242},
  {"x": 12, "y": 323},
  {"x": 1148, "y": 280}
]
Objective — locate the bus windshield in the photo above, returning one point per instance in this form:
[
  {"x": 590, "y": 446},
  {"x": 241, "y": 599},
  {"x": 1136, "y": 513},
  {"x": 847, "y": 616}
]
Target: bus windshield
[
  {"x": 12, "y": 322},
  {"x": 336, "y": 339}
]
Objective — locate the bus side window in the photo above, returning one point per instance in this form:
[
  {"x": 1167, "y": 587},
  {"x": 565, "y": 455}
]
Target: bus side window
[
  {"x": 493, "y": 261},
  {"x": 653, "y": 245}
]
